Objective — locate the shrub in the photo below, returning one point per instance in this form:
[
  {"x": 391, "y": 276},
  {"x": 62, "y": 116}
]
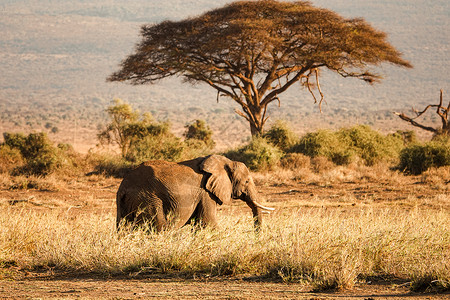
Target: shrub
[
  {"x": 370, "y": 145},
  {"x": 199, "y": 131},
  {"x": 408, "y": 136},
  {"x": 416, "y": 159},
  {"x": 14, "y": 140},
  {"x": 324, "y": 143},
  {"x": 43, "y": 164},
  {"x": 195, "y": 148},
  {"x": 257, "y": 155},
  {"x": 350, "y": 144},
  {"x": 281, "y": 135},
  {"x": 39, "y": 155},
  {"x": 165, "y": 146}
]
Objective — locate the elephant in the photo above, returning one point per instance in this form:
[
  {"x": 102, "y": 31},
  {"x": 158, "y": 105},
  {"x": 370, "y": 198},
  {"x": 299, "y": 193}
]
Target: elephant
[{"x": 170, "y": 195}]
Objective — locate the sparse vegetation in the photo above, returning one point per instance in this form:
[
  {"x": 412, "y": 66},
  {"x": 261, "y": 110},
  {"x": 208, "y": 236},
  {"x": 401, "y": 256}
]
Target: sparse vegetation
[
  {"x": 326, "y": 249},
  {"x": 315, "y": 243}
]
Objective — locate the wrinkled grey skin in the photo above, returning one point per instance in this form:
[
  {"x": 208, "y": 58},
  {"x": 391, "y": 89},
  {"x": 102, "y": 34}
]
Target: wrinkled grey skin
[{"x": 167, "y": 194}]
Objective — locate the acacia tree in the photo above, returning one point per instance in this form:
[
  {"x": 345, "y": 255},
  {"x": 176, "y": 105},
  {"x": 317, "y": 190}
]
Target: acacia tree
[{"x": 253, "y": 51}]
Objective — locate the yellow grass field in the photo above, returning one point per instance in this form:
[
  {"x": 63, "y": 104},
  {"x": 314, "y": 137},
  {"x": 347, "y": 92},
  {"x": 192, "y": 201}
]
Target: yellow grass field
[{"x": 341, "y": 232}]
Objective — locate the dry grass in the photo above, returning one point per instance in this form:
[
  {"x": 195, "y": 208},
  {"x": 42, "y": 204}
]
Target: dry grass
[
  {"x": 333, "y": 238},
  {"x": 325, "y": 249},
  {"x": 380, "y": 172}
]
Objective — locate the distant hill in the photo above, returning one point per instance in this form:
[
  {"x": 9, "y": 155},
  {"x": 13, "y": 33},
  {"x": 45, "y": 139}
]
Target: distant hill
[{"x": 55, "y": 56}]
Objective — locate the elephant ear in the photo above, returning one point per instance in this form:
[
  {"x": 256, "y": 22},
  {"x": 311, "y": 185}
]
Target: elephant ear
[{"x": 218, "y": 183}]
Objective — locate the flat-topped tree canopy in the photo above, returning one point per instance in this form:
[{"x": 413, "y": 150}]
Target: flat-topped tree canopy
[{"x": 253, "y": 51}]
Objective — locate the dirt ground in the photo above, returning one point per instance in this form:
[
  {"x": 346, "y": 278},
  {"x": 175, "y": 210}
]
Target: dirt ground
[
  {"x": 96, "y": 195},
  {"x": 224, "y": 288}
]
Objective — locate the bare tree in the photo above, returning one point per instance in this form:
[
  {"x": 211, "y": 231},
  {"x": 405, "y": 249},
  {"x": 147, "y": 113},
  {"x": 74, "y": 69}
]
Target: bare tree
[
  {"x": 442, "y": 112},
  {"x": 253, "y": 51}
]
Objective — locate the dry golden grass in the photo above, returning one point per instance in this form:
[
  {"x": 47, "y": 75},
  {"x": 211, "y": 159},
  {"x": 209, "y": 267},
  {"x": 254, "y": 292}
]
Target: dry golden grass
[
  {"x": 338, "y": 174},
  {"x": 333, "y": 227},
  {"x": 323, "y": 248}
]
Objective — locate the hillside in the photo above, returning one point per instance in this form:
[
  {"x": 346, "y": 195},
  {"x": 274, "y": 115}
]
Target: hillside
[{"x": 55, "y": 56}]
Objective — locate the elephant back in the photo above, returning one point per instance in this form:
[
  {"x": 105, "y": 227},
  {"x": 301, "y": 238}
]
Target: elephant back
[{"x": 162, "y": 176}]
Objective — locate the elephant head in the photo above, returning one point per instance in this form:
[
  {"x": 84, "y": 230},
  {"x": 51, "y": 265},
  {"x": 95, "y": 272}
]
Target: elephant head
[{"x": 231, "y": 180}]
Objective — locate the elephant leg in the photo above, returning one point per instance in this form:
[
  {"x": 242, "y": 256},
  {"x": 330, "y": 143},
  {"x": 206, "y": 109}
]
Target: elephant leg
[
  {"x": 183, "y": 218},
  {"x": 150, "y": 213},
  {"x": 160, "y": 220},
  {"x": 205, "y": 214},
  {"x": 209, "y": 215}
]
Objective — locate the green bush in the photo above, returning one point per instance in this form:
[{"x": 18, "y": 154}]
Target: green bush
[
  {"x": 14, "y": 140},
  {"x": 257, "y": 155},
  {"x": 416, "y": 159},
  {"x": 350, "y": 144},
  {"x": 164, "y": 146},
  {"x": 370, "y": 145},
  {"x": 199, "y": 131},
  {"x": 40, "y": 156},
  {"x": 281, "y": 135},
  {"x": 325, "y": 143}
]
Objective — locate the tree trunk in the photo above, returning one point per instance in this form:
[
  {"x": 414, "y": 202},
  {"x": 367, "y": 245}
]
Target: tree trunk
[
  {"x": 256, "y": 121},
  {"x": 255, "y": 130},
  {"x": 445, "y": 130}
]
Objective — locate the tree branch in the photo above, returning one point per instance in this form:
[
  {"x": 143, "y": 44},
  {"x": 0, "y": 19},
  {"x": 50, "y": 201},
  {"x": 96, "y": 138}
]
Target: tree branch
[
  {"x": 270, "y": 96},
  {"x": 414, "y": 123}
]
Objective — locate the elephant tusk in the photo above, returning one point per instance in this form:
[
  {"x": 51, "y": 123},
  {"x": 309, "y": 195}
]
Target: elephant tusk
[{"x": 263, "y": 207}]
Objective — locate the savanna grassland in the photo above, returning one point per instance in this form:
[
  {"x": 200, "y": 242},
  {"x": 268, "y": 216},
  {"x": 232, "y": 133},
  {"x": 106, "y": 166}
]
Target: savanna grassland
[
  {"x": 346, "y": 226},
  {"x": 353, "y": 231}
]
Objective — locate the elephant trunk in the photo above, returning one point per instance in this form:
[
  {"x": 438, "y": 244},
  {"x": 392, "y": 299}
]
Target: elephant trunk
[{"x": 257, "y": 209}]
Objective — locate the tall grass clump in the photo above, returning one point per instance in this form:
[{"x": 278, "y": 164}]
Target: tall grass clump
[
  {"x": 418, "y": 158},
  {"x": 258, "y": 155},
  {"x": 347, "y": 145},
  {"x": 321, "y": 248}
]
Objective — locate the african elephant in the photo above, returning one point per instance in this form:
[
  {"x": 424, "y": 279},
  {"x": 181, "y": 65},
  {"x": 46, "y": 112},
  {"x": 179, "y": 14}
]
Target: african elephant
[{"x": 167, "y": 194}]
